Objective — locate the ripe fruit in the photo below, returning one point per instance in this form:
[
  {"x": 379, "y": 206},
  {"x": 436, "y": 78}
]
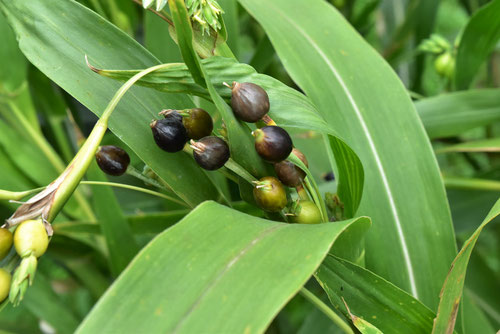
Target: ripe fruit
[
  {"x": 198, "y": 123},
  {"x": 249, "y": 101},
  {"x": 272, "y": 143},
  {"x": 270, "y": 194},
  {"x": 289, "y": 174},
  {"x": 5, "y": 279},
  {"x": 30, "y": 237},
  {"x": 210, "y": 153},
  {"x": 5, "y": 242},
  {"x": 169, "y": 133},
  {"x": 112, "y": 160},
  {"x": 306, "y": 213}
]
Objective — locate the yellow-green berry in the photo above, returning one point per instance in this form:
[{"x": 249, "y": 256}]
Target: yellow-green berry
[{"x": 31, "y": 238}]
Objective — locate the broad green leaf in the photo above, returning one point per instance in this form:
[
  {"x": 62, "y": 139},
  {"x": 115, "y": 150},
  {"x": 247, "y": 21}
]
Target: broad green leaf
[
  {"x": 249, "y": 268},
  {"x": 485, "y": 145},
  {"x": 157, "y": 39},
  {"x": 231, "y": 21},
  {"x": 373, "y": 298},
  {"x": 57, "y": 44},
  {"x": 451, "y": 114},
  {"x": 120, "y": 241},
  {"x": 363, "y": 100},
  {"x": 474, "y": 318},
  {"x": 478, "y": 40},
  {"x": 13, "y": 71},
  {"x": 453, "y": 285}
]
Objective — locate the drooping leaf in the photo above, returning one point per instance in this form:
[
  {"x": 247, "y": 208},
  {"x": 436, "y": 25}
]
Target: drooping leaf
[
  {"x": 477, "y": 41},
  {"x": 370, "y": 296},
  {"x": 57, "y": 44},
  {"x": 364, "y": 101},
  {"x": 250, "y": 268},
  {"x": 451, "y": 114}
]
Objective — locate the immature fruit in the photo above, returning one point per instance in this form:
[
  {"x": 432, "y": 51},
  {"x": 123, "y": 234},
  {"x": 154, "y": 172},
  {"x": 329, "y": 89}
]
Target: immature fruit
[
  {"x": 445, "y": 65},
  {"x": 198, "y": 123},
  {"x": 289, "y": 174},
  {"x": 210, "y": 153},
  {"x": 112, "y": 160},
  {"x": 5, "y": 279},
  {"x": 270, "y": 194},
  {"x": 272, "y": 143},
  {"x": 30, "y": 237},
  {"x": 306, "y": 213},
  {"x": 249, "y": 101},
  {"x": 169, "y": 134},
  {"x": 5, "y": 242}
]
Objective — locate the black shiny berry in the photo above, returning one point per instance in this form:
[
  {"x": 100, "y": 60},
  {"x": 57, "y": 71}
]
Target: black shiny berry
[
  {"x": 306, "y": 213},
  {"x": 249, "y": 101},
  {"x": 210, "y": 153},
  {"x": 169, "y": 134},
  {"x": 289, "y": 174},
  {"x": 269, "y": 194},
  {"x": 198, "y": 123},
  {"x": 272, "y": 143},
  {"x": 112, "y": 160},
  {"x": 329, "y": 176}
]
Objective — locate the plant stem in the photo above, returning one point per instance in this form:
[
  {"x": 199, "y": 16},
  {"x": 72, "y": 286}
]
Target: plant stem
[
  {"x": 240, "y": 171},
  {"x": 135, "y": 173},
  {"x": 130, "y": 187},
  {"x": 326, "y": 310}
]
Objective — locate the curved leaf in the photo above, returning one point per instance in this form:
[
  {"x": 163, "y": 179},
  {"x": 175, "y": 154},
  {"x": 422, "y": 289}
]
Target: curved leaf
[
  {"x": 250, "y": 268},
  {"x": 486, "y": 145},
  {"x": 451, "y": 114},
  {"x": 359, "y": 95},
  {"x": 56, "y": 35},
  {"x": 478, "y": 40}
]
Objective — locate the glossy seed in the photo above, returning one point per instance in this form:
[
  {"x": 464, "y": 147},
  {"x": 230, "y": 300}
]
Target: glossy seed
[
  {"x": 249, "y": 101},
  {"x": 169, "y": 134},
  {"x": 112, "y": 160},
  {"x": 289, "y": 174},
  {"x": 210, "y": 153},
  {"x": 273, "y": 143},
  {"x": 269, "y": 194},
  {"x": 198, "y": 123}
]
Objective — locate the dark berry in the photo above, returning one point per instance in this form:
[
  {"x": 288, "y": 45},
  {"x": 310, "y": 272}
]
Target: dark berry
[
  {"x": 210, "y": 153},
  {"x": 112, "y": 160},
  {"x": 329, "y": 176},
  {"x": 270, "y": 194},
  {"x": 171, "y": 114},
  {"x": 169, "y": 134},
  {"x": 198, "y": 123},
  {"x": 306, "y": 213},
  {"x": 272, "y": 143},
  {"x": 249, "y": 101},
  {"x": 289, "y": 174}
]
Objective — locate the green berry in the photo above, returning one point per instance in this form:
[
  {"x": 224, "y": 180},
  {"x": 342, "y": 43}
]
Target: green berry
[
  {"x": 5, "y": 242},
  {"x": 270, "y": 194},
  {"x": 31, "y": 237},
  {"x": 198, "y": 123},
  {"x": 306, "y": 213},
  {"x": 445, "y": 65},
  {"x": 5, "y": 279}
]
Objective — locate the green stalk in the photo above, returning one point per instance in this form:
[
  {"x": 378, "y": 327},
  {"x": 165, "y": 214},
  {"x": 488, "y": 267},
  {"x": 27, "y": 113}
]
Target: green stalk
[
  {"x": 240, "y": 171},
  {"x": 75, "y": 171},
  {"x": 471, "y": 183},
  {"x": 130, "y": 187},
  {"x": 337, "y": 320},
  {"x": 140, "y": 176},
  {"x": 51, "y": 155}
]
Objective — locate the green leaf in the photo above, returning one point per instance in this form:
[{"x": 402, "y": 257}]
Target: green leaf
[
  {"x": 451, "y": 114},
  {"x": 157, "y": 39},
  {"x": 64, "y": 32},
  {"x": 453, "y": 285},
  {"x": 120, "y": 241},
  {"x": 478, "y": 40},
  {"x": 471, "y": 183},
  {"x": 360, "y": 96},
  {"x": 13, "y": 73},
  {"x": 378, "y": 301},
  {"x": 250, "y": 268},
  {"x": 486, "y": 145}
]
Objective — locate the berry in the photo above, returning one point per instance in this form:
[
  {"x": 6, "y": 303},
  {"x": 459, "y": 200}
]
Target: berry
[
  {"x": 272, "y": 143},
  {"x": 210, "y": 153},
  {"x": 112, "y": 160},
  {"x": 5, "y": 279},
  {"x": 289, "y": 174},
  {"x": 31, "y": 238},
  {"x": 445, "y": 65},
  {"x": 169, "y": 134},
  {"x": 249, "y": 101},
  {"x": 198, "y": 123},
  {"x": 270, "y": 194},
  {"x": 5, "y": 242},
  {"x": 306, "y": 213}
]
